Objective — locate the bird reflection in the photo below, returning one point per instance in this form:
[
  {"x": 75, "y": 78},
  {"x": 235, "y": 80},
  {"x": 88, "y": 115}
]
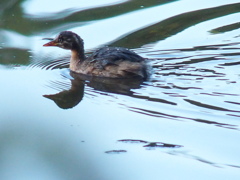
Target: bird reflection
[{"x": 70, "y": 98}]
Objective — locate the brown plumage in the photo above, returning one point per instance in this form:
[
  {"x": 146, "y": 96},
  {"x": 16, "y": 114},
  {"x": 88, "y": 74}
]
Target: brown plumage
[{"x": 112, "y": 62}]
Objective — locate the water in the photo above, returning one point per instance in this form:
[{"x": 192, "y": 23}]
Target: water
[{"x": 183, "y": 123}]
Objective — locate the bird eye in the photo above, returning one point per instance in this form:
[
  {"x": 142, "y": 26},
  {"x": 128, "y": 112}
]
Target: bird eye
[{"x": 60, "y": 40}]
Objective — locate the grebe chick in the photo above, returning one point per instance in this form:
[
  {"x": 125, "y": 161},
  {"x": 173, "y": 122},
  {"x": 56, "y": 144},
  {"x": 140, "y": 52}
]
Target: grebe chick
[{"x": 112, "y": 62}]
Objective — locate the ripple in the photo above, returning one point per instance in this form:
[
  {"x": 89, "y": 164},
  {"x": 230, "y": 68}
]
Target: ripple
[
  {"x": 208, "y": 106},
  {"x": 51, "y": 64},
  {"x": 58, "y": 85},
  {"x": 182, "y": 118},
  {"x": 115, "y": 151},
  {"x": 150, "y": 145}
]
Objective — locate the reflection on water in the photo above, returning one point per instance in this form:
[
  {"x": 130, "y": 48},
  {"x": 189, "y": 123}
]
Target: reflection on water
[
  {"x": 176, "y": 24},
  {"x": 150, "y": 144},
  {"x": 188, "y": 110},
  {"x": 70, "y": 98}
]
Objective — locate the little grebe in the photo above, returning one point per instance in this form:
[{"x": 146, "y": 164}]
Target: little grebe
[{"x": 112, "y": 62}]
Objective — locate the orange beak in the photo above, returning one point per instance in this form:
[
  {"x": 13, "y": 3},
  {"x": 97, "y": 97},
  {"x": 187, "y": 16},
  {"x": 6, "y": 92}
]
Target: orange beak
[{"x": 51, "y": 43}]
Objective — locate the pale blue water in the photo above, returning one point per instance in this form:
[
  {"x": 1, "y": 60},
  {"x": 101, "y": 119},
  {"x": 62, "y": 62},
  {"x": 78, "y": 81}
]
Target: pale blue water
[{"x": 107, "y": 129}]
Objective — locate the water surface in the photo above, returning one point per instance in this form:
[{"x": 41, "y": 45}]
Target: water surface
[{"x": 182, "y": 123}]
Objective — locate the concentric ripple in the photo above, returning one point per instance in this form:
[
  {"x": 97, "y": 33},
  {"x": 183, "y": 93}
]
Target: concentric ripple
[{"x": 50, "y": 64}]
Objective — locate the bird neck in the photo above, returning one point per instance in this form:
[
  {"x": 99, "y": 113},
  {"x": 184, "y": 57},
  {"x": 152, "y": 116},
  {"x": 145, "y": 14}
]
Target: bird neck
[{"x": 77, "y": 57}]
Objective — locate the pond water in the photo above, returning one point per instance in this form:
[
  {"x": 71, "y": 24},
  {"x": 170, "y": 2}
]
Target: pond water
[{"x": 182, "y": 123}]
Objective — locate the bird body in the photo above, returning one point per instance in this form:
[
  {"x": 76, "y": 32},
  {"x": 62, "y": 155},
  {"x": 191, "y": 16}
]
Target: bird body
[{"x": 112, "y": 62}]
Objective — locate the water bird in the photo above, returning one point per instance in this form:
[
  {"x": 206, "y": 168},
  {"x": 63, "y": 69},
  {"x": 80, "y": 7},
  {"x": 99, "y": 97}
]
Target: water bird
[{"x": 110, "y": 62}]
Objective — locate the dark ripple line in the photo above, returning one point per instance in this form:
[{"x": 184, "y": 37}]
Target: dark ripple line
[
  {"x": 180, "y": 118},
  {"x": 237, "y": 103},
  {"x": 230, "y": 64},
  {"x": 204, "y": 47},
  {"x": 153, "y": 99},
  {"x": 208, "y": 106},
  {"x": 210, "y": 94},
  {"x": 188, "y": 74},
  {"x": 50, "y": 65},
  {"x": 154, "y": 113},
  {"x": 234, "y": 166},
  {"x": 228, "y": 94},
  {"x": 58, "y": 85},
  {"x": 233, "y": 115}
]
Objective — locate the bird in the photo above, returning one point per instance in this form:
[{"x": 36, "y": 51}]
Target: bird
[{"x": 108, "y": 62}]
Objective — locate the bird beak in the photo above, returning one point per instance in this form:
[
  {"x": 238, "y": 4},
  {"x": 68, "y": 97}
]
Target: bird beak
[{"x": 51, "y": 43}]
